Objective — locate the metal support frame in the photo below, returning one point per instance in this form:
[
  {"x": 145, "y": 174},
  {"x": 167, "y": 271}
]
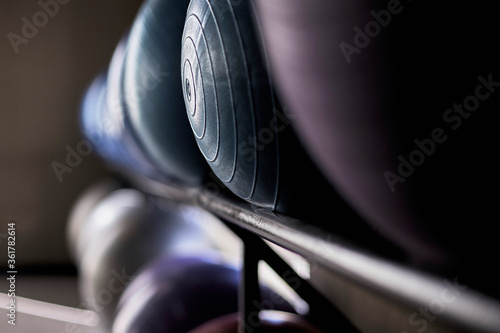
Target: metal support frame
[
  {"x": 255, "y": 249},
  {"x": 381, "y": 275}
]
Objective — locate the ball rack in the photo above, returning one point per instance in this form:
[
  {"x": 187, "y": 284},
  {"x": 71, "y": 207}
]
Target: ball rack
[{"x": 403, "y": 285}]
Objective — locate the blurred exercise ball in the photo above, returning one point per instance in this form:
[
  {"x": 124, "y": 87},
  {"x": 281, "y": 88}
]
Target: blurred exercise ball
[
  {"x": 82, "y": 208},
  {"x": 127, "y": 231},
  {"x": 153, "y": 93},
  {"x": 395, "y": 101},
  {"x": 105, "y": 124},
  {"x": 177, "y": 294}
]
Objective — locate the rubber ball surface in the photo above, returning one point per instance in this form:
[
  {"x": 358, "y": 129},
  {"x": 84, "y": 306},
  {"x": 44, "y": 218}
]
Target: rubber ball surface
[{"x": 238, "y": 122}]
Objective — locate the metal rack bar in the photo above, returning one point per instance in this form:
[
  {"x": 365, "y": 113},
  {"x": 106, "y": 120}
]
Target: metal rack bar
[{"x": 471, "y": 311}]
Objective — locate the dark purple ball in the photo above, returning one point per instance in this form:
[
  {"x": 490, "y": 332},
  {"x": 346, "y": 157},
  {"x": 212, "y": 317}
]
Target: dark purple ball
[
  {"x": 177, "y": 294},
  {"x": 398, "y": 102}
]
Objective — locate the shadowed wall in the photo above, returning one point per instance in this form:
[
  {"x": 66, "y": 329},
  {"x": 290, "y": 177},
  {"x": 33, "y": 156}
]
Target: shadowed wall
[{"x": 43, "y": 74}]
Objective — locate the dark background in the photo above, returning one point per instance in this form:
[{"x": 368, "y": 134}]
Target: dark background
[{"x": 40, "y": 90}]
